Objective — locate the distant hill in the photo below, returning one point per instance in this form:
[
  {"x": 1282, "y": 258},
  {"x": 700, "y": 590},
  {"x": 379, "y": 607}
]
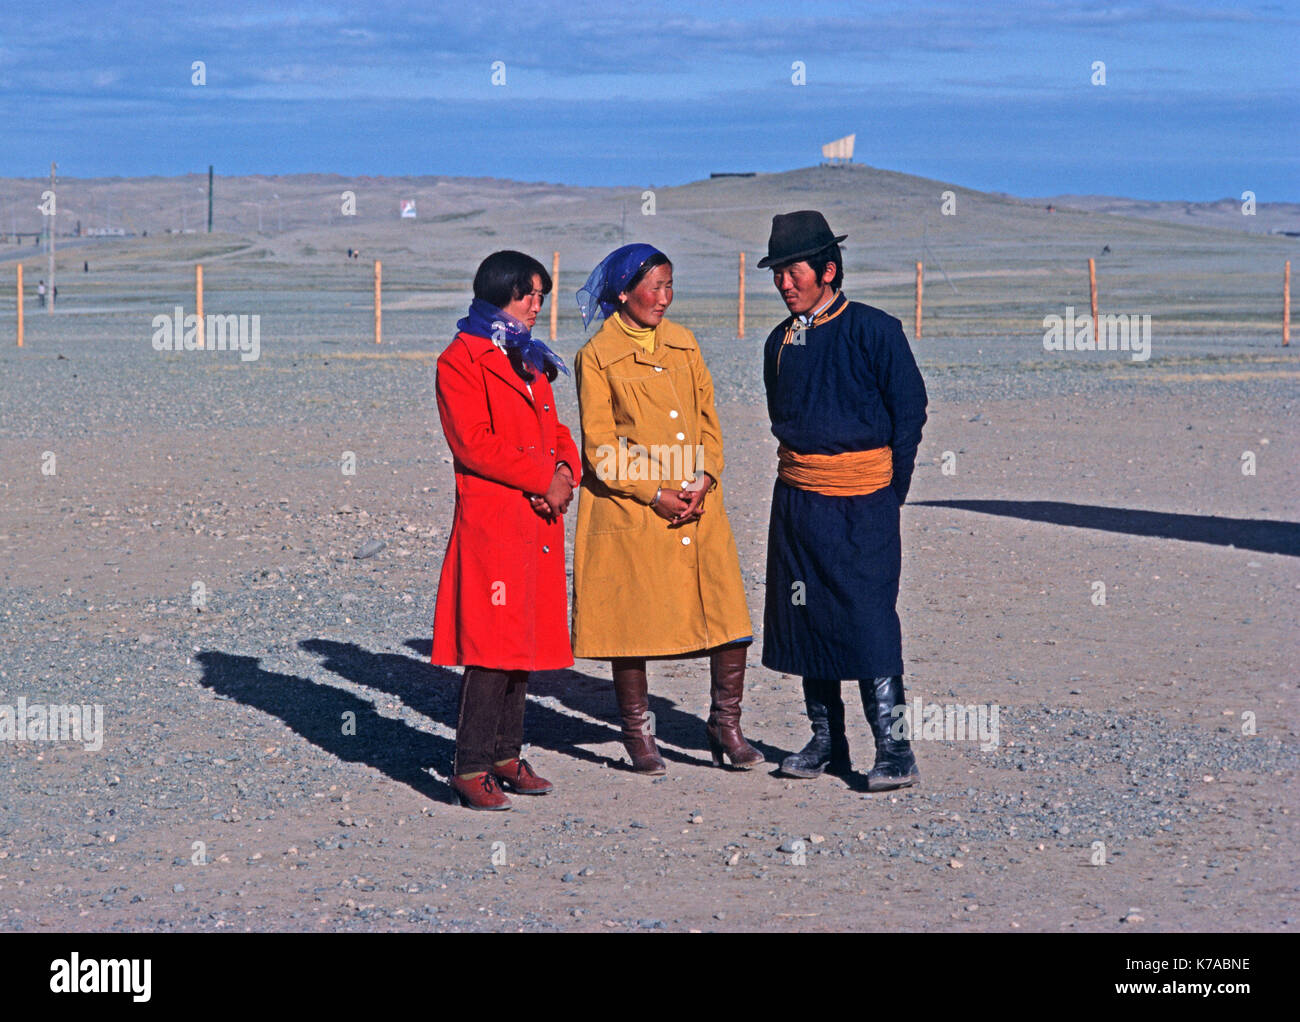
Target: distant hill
[
  {"x": 270, "y": 205},
  {"x": 994, "y": 264},
  {"x": 1269, "y": 217}
]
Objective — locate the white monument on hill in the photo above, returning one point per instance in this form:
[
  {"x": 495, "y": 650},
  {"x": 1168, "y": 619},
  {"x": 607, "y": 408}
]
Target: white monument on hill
[{"x": 839, "y": 151}]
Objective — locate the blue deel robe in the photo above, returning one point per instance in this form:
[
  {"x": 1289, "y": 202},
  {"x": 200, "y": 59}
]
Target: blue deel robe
[{"x": 833, "y": 562}]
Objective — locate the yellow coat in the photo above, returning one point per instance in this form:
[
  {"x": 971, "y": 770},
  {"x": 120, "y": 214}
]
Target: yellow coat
[{"x": 642, "y": 587}]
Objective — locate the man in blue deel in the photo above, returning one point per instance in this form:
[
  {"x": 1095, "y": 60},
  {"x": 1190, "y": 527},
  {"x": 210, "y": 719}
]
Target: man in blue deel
[{"x": 847, "y": 404}]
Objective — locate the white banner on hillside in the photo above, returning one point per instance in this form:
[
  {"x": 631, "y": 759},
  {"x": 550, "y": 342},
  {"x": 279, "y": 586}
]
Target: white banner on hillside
[{"x": 840, "y": 149}]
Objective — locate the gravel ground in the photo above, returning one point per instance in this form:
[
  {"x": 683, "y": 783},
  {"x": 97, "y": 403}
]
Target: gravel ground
[{"x": 227, "y": 794}]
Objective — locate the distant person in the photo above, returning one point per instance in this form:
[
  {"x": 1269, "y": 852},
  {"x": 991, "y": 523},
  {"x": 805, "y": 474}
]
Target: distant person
[
  {"x": 502, "y": 607},
  {"x": 349, "y": 253},
  {"x": 847, "y": 404},
  {"x": 85, "y": 267},
  {"x": 40, "y": 293},
  {"x": 655, "y": 573}
]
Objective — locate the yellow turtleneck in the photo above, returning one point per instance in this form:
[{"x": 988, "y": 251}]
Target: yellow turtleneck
[{"x": 643, "y": 336}]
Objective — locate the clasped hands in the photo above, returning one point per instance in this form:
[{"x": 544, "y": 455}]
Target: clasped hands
[
  {"x": 674, "y": 506},
  {"x": 555, "y": 501},
  {"x": 684, "y": 505}
]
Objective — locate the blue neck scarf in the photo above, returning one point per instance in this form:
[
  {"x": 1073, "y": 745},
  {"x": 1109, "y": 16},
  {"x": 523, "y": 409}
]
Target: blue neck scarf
[
  {"x": 600, "y": 293},
  {"x": 486, "y": 320}
]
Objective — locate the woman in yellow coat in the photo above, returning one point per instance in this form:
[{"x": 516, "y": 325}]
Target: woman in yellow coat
[{"x": 655, "y": 570}]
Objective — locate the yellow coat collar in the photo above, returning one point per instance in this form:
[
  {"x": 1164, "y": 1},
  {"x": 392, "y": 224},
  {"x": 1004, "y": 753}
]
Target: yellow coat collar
[{"x": 610, "y": 344}]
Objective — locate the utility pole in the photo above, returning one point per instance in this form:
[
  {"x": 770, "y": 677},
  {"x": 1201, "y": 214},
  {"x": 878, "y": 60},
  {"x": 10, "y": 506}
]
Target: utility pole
[
  {"x": 54, "y": 209},
  {"x": 209, "y": 198}
]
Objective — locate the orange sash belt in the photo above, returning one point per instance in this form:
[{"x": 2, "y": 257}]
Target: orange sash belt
[{"x": 848, "y": 474}]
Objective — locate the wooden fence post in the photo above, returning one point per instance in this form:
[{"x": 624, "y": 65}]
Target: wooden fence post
[
  {"x": 919, "y": 288},
  {"x": 198, "y": 299},
  {"x": 555, "y": 294},
  {"x": 379, "y": 313},
  {"x": 740, "y": 301},
  {"x": 1092, "y": 296},
  {"x": 1286, "y": 306}
]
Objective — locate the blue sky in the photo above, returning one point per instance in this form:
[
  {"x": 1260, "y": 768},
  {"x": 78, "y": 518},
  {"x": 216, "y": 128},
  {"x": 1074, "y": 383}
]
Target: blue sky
[{"x": 1200, "y": 100}]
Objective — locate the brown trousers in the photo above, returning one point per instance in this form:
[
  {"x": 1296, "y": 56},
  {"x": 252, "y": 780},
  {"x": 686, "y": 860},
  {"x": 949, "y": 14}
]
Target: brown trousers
[{"x": 490, "y": 724}]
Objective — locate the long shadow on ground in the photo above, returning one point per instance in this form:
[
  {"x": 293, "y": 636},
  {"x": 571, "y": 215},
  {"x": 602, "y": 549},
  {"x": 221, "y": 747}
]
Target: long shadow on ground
[
  {"x": 435, "y": 692},
  {"x": 1260, "y": 534},
  {"x": 316, "y": 712}
]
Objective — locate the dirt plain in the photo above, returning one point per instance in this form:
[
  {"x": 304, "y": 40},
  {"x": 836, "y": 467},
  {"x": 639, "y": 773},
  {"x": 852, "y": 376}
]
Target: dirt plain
[{"x": 227, "y": 794}]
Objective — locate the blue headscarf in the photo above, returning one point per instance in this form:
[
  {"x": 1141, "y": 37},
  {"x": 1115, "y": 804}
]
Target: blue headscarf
[
  {"x": 600, "y": 293},
  {"x": 486, "y": 320}
]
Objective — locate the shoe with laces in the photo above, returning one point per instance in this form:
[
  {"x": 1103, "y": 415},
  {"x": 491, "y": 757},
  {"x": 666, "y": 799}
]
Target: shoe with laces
[
  {"x": 480, "y": 791},
  {"x": 519, "y": 776}
]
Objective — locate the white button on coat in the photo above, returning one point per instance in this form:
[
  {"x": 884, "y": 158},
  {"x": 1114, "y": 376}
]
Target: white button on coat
[{"x": 686, "y": 541}]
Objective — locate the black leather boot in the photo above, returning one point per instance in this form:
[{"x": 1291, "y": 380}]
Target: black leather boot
[
  {"x": 895, "y": 765},
  {"x": 828, "y": 750}
]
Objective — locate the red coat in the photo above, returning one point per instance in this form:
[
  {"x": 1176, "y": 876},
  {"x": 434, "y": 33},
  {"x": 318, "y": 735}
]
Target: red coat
[{"x": 502, "y": 597}]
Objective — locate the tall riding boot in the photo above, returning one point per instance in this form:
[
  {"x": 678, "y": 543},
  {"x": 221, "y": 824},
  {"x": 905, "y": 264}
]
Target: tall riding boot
[
  {"x": 633, "y": 693},
  {"x": 895, "y": 765},
  {"x": 829, "y": 748},
  {"x": 726, "y": 687}
]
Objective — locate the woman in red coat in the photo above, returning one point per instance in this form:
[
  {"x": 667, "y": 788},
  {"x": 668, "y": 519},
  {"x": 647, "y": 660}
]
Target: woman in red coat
[{"x": 502, "y": 607}]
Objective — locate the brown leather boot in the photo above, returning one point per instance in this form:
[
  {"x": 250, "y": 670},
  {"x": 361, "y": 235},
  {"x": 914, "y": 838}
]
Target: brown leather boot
[
  {"x": 633, "y": 693},
  {"x": 727, "y": 686}
]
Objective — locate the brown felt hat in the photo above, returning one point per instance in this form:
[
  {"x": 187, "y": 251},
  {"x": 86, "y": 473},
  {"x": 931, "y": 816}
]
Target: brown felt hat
[{"x": 797, "y": 236}]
